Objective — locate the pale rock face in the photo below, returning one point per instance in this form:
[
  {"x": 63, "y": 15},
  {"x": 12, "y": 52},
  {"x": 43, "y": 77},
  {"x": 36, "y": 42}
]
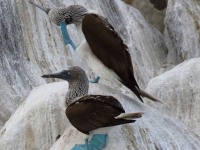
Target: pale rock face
[
  {"x": 152, "y": 15},
  {"x": 182, "y": 30},
  {"x": 38, "y": 121},
  {"x": 179, "y": 88},
  {"x": 32, "y": 45}
]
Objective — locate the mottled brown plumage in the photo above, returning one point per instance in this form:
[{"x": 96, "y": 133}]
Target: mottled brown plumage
[
  {"x": 90, "y": 112},
  {"x": 95, "y": 111}
]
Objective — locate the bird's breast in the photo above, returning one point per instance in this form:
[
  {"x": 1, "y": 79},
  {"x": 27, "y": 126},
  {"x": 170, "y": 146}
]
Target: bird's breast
[{"x": 96, "y": 65}]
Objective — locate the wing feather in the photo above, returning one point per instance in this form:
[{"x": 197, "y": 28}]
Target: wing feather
[
  {"x": 93, "y": 112},
  {"x": 110, "y": 49}
]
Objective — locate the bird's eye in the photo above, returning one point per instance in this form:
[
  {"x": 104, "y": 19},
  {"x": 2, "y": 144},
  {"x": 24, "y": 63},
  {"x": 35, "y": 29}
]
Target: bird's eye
[{"x": 68, "y": 20}]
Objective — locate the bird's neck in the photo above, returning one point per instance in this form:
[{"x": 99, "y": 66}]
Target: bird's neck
[
  {"x": 77, "y": 89},
  {"x": 80, "y": 32}
]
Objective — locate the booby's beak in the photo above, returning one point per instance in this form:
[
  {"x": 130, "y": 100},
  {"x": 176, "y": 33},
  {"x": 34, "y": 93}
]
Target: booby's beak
[
  {"x": 65, "y": 75},
  {"x": 55, "y": 75},
  {"x": 66, "y": 37}
]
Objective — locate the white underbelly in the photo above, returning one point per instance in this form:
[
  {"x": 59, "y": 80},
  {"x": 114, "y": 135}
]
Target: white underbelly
[{"x": 96, "y": 65}]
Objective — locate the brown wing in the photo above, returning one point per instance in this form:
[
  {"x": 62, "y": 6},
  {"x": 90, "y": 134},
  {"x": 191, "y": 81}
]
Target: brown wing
[
  {"x": 108, "y": 47},
  {"x": 95, "y": 111}
]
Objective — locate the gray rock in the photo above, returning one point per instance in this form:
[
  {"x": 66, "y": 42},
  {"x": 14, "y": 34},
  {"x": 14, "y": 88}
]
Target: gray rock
[
  {"x": 30, "y": 45},
  {"x": 38, "y": 121},
  {"x": 152, "y": 15},
  {"x": 182, "y": 30},
  {"x": 179, "y": 88}
]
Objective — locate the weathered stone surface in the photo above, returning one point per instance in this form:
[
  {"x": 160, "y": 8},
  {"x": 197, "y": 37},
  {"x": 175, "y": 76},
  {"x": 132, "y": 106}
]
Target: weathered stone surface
[
  {"x": 38, "y": 121},
  {"x": 182, "y": 32},
  {"x": 152, "y": 15},
  {"x": 179, "y": 88},
  {"x": 31, "y": 45}
]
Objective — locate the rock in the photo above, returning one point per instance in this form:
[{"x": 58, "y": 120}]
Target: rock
[
  {"x": 179, "y": 88},
  {"x": 182, "y": 30},
  {"x": 31, "y": 46},
  {"x": 152, "y": 15},
  {"x": 158, "y": 4},
  {"x": 38, "y": 121}
]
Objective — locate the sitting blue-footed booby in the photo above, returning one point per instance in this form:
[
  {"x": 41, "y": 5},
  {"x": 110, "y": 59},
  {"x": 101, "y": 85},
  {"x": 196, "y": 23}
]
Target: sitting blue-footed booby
[
  {"x": 91, "y": 112},
  {"x": 102, "y": 48}
]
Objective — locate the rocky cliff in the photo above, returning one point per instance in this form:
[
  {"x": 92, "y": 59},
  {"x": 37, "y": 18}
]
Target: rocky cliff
[{"x": 30, "y": 45}]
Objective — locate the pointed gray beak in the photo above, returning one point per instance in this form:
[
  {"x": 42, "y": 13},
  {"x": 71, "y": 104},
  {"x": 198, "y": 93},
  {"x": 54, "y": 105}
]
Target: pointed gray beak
[
  {"x": 55, "y": 75},
  {"x": 65, "y": 75}
]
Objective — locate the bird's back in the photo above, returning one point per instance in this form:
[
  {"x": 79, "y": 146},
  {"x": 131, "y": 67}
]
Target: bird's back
[
  {"x": 110, "y": 49},
  {"x": 95, "y": 111}
]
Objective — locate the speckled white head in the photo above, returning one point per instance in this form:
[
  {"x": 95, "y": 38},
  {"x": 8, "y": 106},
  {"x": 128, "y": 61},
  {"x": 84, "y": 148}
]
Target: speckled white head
[
  {"x": 72, "y": 74},
  {"x": 72, "y": 14},
  {"x": 78, "y": 82}
]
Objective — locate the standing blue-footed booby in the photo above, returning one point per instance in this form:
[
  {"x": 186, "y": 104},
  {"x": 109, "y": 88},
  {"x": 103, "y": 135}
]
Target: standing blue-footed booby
[
  {"x": 102, "y": 48},
  {"x": 90, "y": 112}
]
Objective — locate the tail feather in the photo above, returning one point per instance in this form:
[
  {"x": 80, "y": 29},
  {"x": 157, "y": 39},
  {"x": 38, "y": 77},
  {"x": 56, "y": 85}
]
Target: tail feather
[
  {"x": 136, "y": 91},
  {"x": 124, "y": 119},
  {"x": 130, "y": 115},
  {"x": 149, "y": 96},
  {"x": 116, "y": 122}
]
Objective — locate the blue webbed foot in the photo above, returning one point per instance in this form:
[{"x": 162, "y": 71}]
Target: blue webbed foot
[
  {"x": 98, "y": 142},
  {"x": 66, "y": 37},
  {"x": 96, "y": 80}
]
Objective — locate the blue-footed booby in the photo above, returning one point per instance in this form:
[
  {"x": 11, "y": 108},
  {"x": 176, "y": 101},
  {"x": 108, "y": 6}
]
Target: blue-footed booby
[
  {"x": 102, "y": 47},
  {"x": 91, "y": 112}
]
